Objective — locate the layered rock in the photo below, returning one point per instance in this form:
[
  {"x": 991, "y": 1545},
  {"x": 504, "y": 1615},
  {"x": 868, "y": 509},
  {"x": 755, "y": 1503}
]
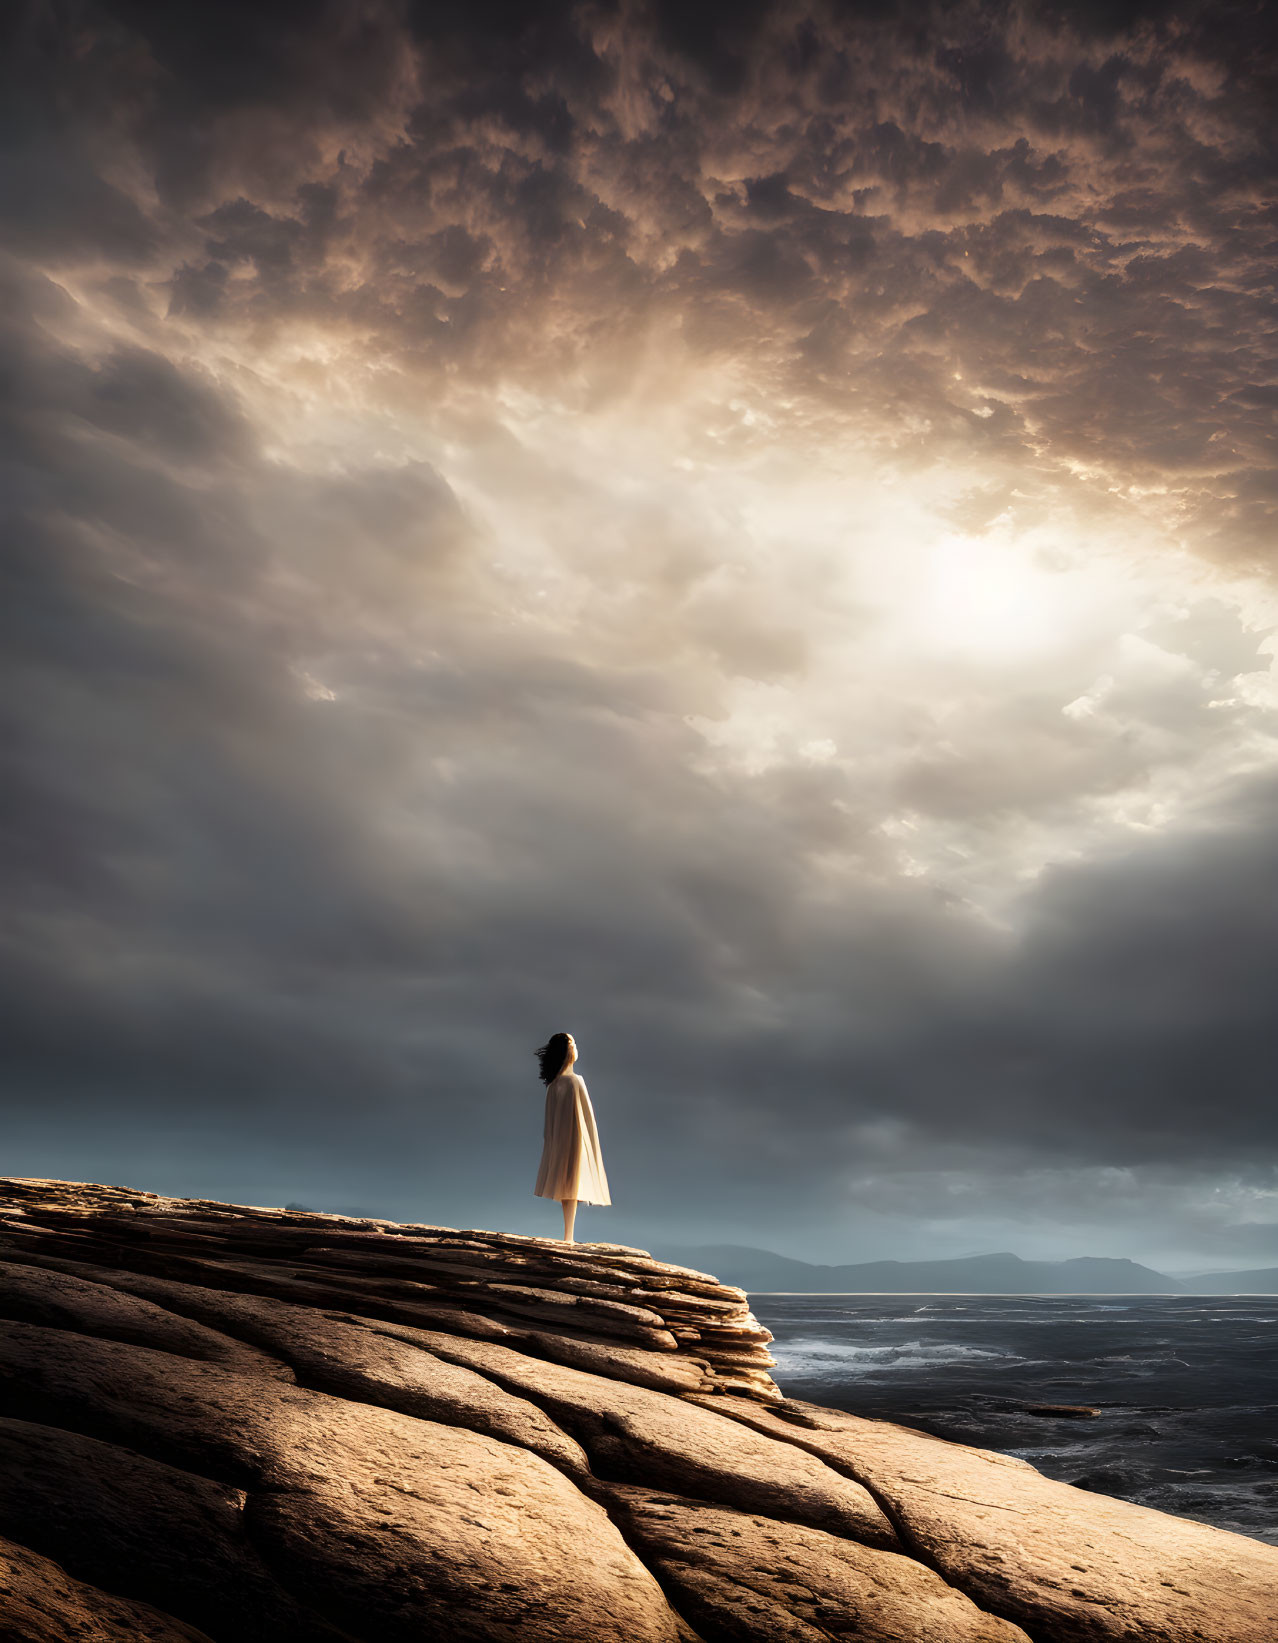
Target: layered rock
[
  {"x": 599, "y": 1306},
  {"x": 226, "y": 1422}
]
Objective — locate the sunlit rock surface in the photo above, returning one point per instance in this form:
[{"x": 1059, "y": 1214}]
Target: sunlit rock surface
[{"x": 265, "y": 1426}]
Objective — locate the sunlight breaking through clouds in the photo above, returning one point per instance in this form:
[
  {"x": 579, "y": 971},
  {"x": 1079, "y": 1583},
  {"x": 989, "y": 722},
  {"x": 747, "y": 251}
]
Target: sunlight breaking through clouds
[{"x": 780, "y": 515}]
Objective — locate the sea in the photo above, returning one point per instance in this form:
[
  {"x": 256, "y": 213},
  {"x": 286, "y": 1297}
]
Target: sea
[{"x": 1187, "y": 1386}]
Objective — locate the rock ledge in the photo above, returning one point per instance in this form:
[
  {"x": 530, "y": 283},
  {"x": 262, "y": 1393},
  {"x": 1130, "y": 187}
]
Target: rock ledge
[{"x": 223, "y": 1422}]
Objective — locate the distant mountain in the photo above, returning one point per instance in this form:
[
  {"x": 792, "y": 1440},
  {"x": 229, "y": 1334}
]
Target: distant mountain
[
  {"x": 1001, "y": 1274},
  {"x": 1261, "y": 1281}
]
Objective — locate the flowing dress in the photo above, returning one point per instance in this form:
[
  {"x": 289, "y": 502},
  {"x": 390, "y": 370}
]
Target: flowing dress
[{"x": 571, "y": 1165}]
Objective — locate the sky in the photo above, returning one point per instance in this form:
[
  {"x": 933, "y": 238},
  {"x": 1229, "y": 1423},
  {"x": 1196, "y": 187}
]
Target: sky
[{"x": 741, "y": 532}]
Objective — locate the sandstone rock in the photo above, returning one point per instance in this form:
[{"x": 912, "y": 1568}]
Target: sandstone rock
[
  {"x": 662, "y": 1372},
  {"x": 1067, "y": 1565},
  {"x": 285, "y": 1427},
  {"x": 633, "y": 1434},
  {"x": 41, "y": 1603},
  {"x": 602, "y": 1292},
  {"x": 134, "y": 1526},
  {"x": 749, "y": 1579},
  {"x": 389, "y": 1524},
  {"x": 66, "y": 1301},
  {"x": 332, "y": 1353}
]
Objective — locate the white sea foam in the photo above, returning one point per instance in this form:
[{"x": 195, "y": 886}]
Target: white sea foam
[{"x": 812, "y": 1357}]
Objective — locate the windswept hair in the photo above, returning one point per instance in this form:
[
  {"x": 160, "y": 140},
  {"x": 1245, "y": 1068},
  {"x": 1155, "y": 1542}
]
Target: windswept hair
[{"x": 551, "y": 1056}]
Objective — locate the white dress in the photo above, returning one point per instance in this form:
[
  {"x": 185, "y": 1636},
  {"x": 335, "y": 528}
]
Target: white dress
[{"x": 571, "y": 1165}]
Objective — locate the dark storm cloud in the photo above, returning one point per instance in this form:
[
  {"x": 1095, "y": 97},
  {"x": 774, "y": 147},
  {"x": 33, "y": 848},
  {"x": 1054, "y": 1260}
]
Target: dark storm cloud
[
  {"x": 315, "y": 827},
  {"x": 1078, "y": 219},
  {"x": 1135, "y": 1005}
]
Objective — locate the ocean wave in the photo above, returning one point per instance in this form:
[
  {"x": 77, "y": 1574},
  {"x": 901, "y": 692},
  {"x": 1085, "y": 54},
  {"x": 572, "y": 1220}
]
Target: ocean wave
[
  {"x": 1131, "y": 1363},
  {"x": 820, "y": 1358}
]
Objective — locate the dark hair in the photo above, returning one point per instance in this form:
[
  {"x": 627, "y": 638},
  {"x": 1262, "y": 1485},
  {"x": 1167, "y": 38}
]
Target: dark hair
[{"x": 552, "y": 1056}]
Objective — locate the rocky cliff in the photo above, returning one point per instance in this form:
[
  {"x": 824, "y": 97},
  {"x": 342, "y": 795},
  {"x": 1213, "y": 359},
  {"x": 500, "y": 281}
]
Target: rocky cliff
[{"x": 262, "y": 1426}]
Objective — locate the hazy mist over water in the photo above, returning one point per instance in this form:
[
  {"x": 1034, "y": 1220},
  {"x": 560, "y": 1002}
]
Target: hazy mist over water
[{"x": 1186, "y": 1385}]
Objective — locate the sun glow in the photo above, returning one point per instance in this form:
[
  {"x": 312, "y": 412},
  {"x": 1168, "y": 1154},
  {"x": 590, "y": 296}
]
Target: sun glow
[
  {"x": 822, "y": 611},
  {"x": 992, "y": 598}
]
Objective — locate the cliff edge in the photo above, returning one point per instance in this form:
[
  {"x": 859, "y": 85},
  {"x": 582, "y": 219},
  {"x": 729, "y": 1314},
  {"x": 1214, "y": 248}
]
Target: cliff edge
[{"x": 262, "y": 1426}]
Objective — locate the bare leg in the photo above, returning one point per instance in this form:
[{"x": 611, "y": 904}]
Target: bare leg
[{"x": 570, "y": 1215}]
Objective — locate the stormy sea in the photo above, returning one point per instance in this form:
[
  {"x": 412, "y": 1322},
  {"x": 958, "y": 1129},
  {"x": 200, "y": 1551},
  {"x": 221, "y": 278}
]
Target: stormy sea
[{"x": 1187, "y": 1386}]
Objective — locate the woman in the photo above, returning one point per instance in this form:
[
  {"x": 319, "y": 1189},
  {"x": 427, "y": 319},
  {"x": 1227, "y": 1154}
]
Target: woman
[{"x": 571, "y": 1168}]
